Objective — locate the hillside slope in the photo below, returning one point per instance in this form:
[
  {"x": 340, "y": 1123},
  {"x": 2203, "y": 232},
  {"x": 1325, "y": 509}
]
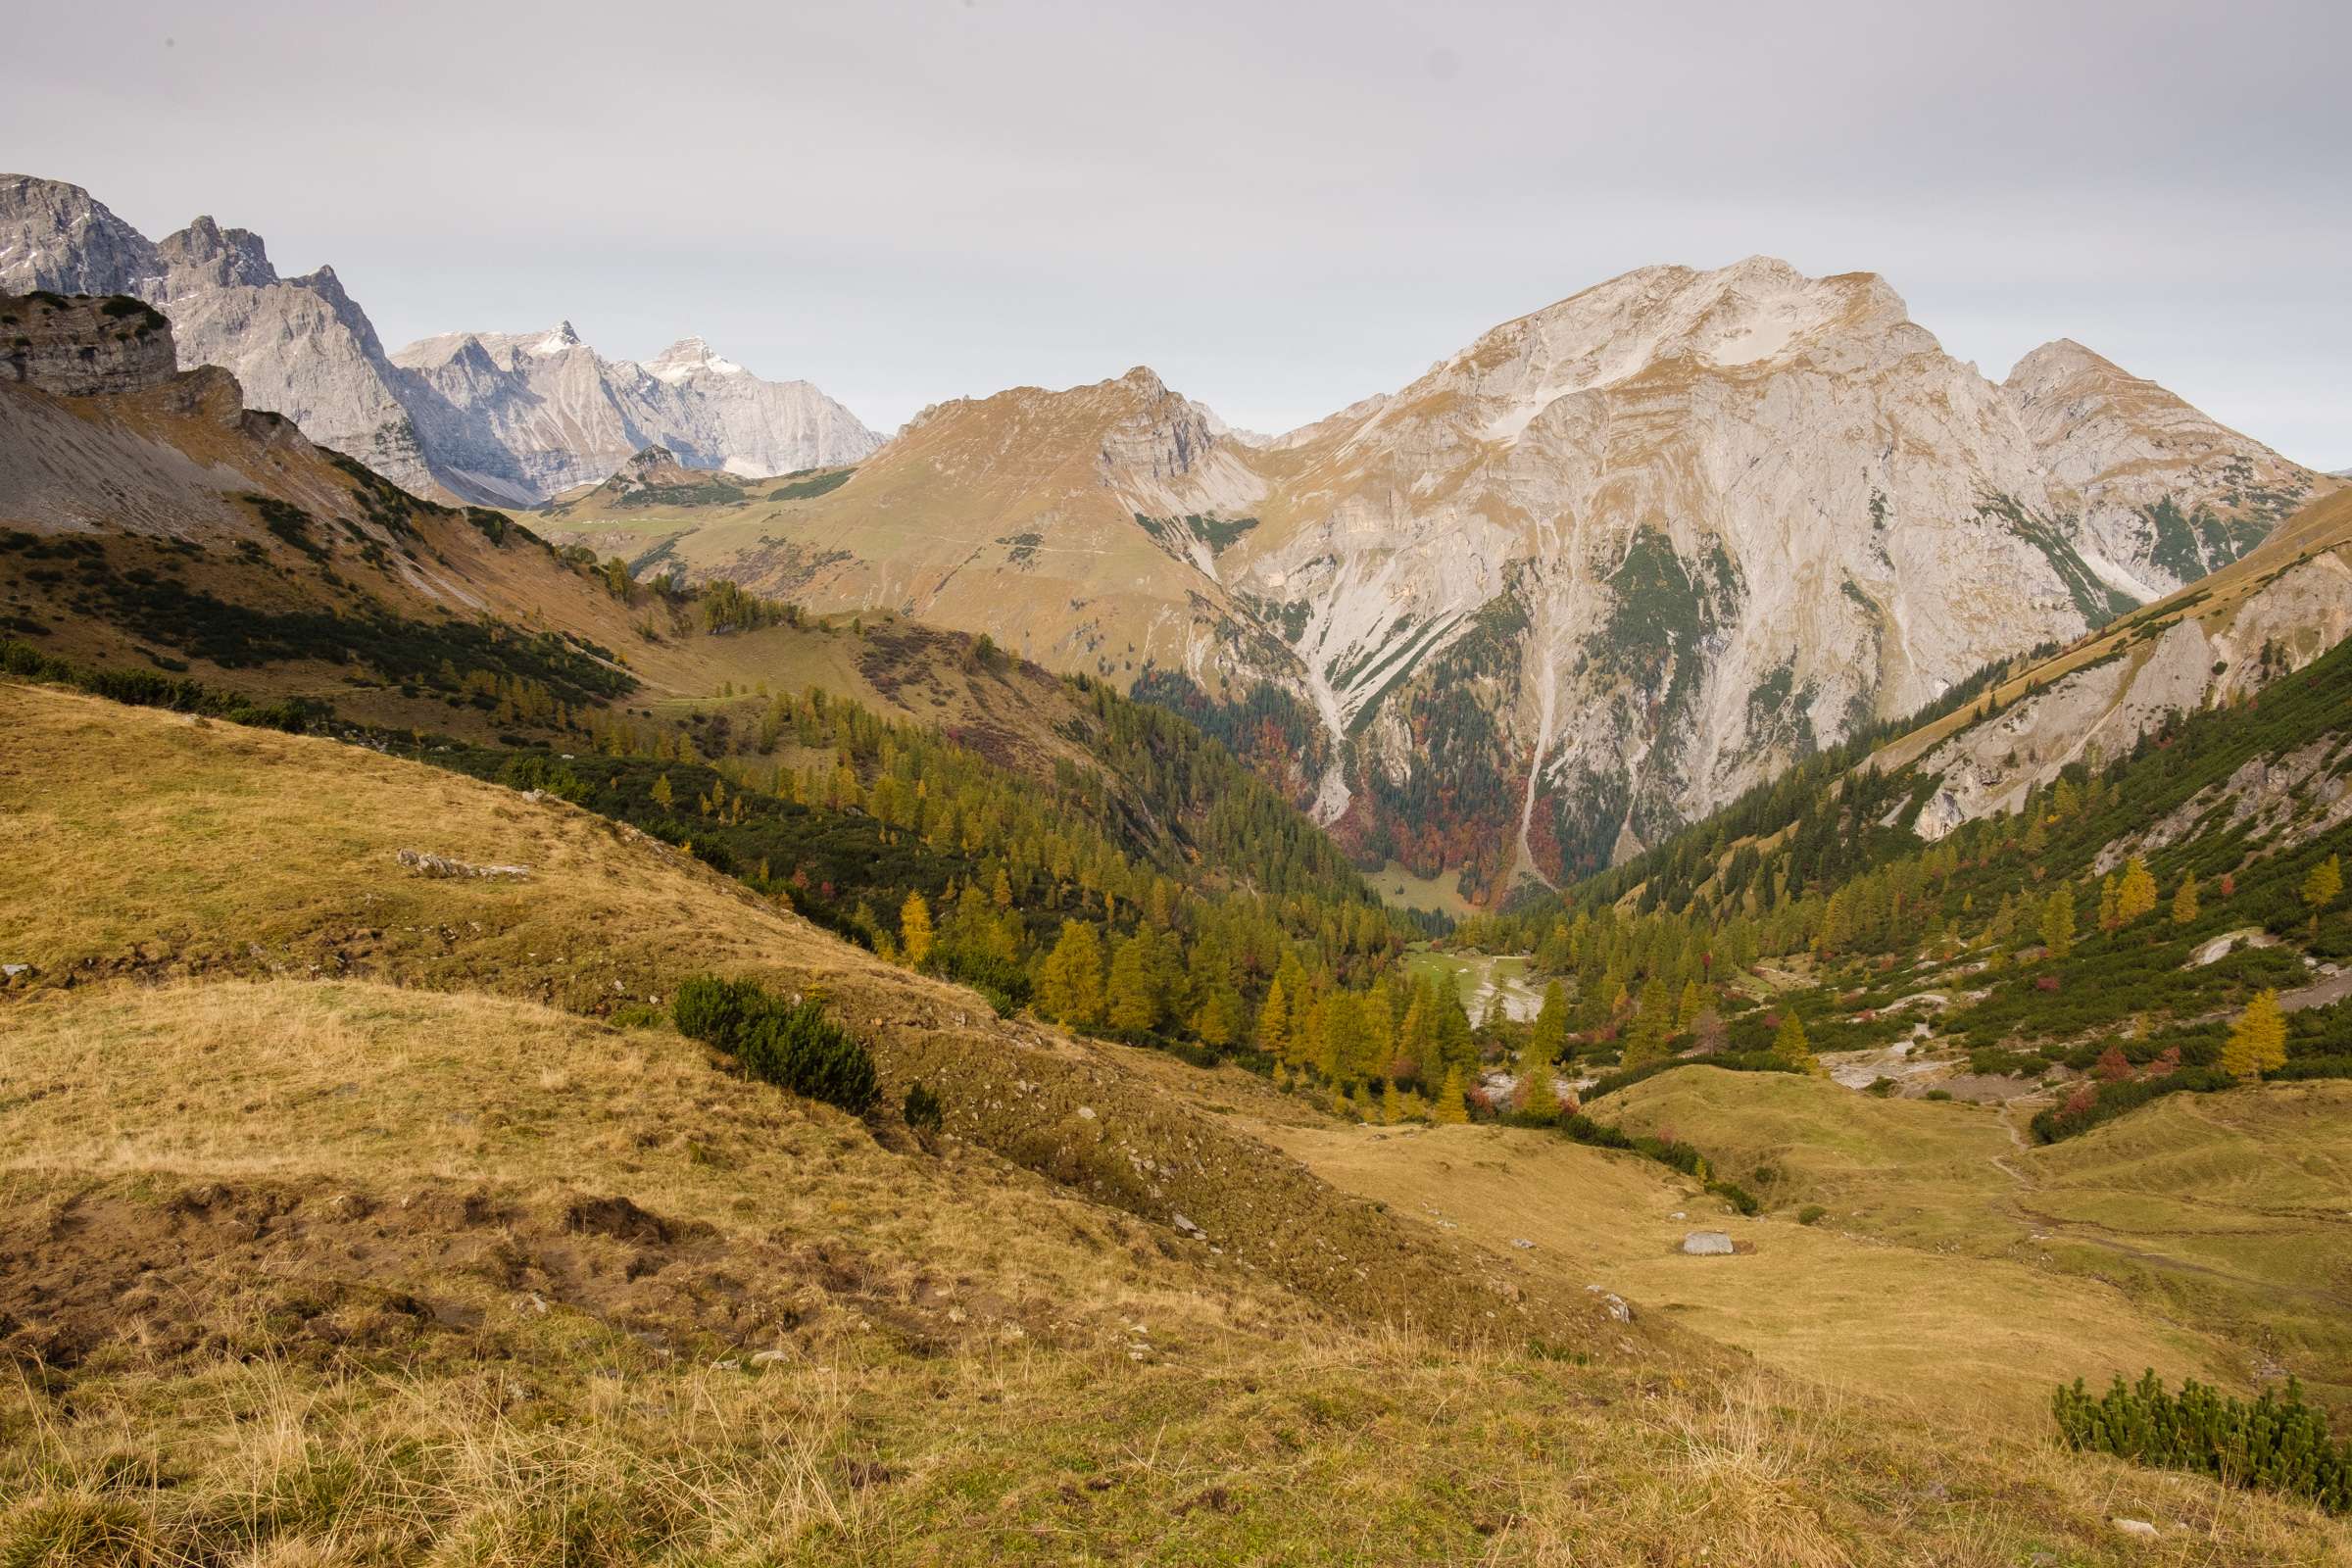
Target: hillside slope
[
  {"x": 317, "y": 1203},
  {"x": 149, "y": 519}
]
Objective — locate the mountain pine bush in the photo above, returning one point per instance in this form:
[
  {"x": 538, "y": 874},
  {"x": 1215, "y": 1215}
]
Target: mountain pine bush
[
  {"x": 791, "y": 1044},
  {"x": 2272, "y": 1444}
]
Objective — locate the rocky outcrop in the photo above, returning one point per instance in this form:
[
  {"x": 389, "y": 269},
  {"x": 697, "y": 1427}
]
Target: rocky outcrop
[
  {"x": 2281, "y": 801},
  {"x": 299, "y": 346},
  {"x": 57, "y": 237},
  {"x": 508, "y": 418},
  {"x": 82, "y": 345}
]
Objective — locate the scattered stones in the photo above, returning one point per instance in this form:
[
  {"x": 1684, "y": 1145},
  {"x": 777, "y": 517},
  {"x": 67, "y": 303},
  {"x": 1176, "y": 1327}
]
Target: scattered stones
[
  {"x": 769, "y": 1357},
  {"x": 1185, "y": 1225},
  {"x": 1619, "y": 1312},
  {"x": 1707, "y": 1244},
  {"x": 441, "y": 865},
  {"x": 1523, "y": 1244},
  {"x": 2140, "y": 1528}
]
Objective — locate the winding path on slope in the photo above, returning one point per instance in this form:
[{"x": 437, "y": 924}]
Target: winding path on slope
[{"x": 2090, "y": 1234}]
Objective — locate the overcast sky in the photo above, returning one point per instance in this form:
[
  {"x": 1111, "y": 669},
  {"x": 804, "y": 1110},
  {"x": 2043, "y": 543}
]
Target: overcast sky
[{"x": 1280, "y": 207}]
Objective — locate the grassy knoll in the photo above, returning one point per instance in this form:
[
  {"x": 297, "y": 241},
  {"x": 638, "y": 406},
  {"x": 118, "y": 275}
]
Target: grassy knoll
[{"x": 1948, "y": 1338}]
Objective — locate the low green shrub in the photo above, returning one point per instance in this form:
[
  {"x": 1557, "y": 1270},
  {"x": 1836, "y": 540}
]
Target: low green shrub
[
  {"x": 2113, "y": 1100},
  {"x": 1738, "y": 1197},
  {"x": 145, "y": 688},
  {"x": 1811, "y": 1214},
  {"x": 791, "y": 1044},
  {"x": 533, "y": 770},
  {"x": 2272, "y": 1444}
]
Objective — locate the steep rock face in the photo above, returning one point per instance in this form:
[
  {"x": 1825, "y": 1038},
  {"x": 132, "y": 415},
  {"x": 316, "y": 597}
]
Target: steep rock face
[
  {"x": 750, "y": 427},
  {"x": 83, "y": 345},
  {"x": 2261, "y": 617},
  {"x": 1670, "y": 533},
  {"x": 528, "y": 414},
  {"x": 299, "y": 346},
  {"x": 2101, "y": 713},
  {"x": 57, "y": 237},
  {"x": 2162, "y": 491},
  {"x": 507, "y": 418}
]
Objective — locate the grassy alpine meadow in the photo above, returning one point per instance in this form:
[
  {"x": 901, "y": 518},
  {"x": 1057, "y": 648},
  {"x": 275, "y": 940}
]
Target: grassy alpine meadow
[
  {"x": 356, "y": 1215},
  {"x": 373, "y": 1295}
]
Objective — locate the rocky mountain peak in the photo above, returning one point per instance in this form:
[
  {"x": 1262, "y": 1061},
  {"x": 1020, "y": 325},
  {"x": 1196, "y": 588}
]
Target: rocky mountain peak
[
  {"x": 57, "y": 237},
  {"x": 204, "y": 254},
  {"x": 690, "y": 357},
  {"x": 2056, "y": 360},
  {"x": 511, "y": 418},
  {"x": 2161, "y": 493},
  {"x": 1744, "y": 319}
]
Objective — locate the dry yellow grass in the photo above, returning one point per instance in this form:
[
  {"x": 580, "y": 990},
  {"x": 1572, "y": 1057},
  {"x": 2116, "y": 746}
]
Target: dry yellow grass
[
  {"x": 2220, "y": 1219},
  {"x": 155, "y": 846},
  {"x": 341, "y": 1271},
  {"x": 1943, "y": 1337},
  {"x": 339, "y": 1087}
]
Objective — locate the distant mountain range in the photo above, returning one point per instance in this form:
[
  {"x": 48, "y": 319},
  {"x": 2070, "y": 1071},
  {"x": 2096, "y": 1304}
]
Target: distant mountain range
[
  {"x": 508, "y": 418},
  {"x": 1586, "y": 580}
]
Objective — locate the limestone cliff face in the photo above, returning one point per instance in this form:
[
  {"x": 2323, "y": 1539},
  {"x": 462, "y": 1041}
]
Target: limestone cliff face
[
  {"x": 2158, "y": 489},
  {"x": 1684, "y": 526},
  {"x": 2253, "y": 621},
  {"x": 299, "y": 346},
  {"x": 55, "y": 236},
  {"x": 505, "y": 417},
  {"x": 83, "y": 345}
]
